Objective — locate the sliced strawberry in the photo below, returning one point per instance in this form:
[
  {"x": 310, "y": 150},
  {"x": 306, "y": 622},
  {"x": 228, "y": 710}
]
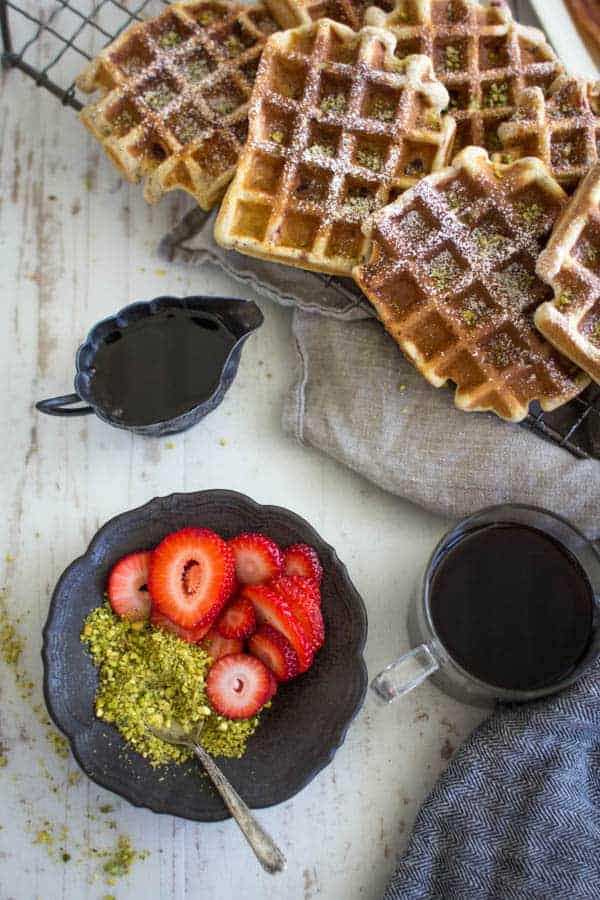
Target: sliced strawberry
[
  {"x": 217, "y": 645},
  {"x": 274, "y": 683},
  {"x": 191, "y": 576},
  {"x": 271, "y": 608},
  {"x": 191, "y": 635},
  {"x": 238, "y": 686},
  {"x": 301, "y": 559},
  {"x": 128, "y": 587},
  {"x": 257, "y": 558},
  {"x": 237, "y": 620},
  {"x": 303, "y": 597},
  {"x": 308, "y": 586},
  {"x": 275, "y": 651}
]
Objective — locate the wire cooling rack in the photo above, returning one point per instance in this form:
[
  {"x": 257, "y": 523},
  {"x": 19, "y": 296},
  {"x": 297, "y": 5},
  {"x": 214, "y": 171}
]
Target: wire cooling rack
[{"x": 51, "y": 40}]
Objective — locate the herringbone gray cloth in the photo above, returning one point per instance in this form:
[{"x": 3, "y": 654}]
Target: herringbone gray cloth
[{"x": 516, "y": 816}]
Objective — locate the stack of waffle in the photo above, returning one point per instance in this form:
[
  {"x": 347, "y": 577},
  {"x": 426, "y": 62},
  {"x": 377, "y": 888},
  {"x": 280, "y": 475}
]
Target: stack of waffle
[
  {"x": 427, "y": 148},
  {"x": 175, "y": 93}
]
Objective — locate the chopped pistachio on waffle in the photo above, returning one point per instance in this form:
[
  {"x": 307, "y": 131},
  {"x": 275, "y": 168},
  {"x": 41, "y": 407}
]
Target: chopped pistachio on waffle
[
  {"x": 174, "y": 95},
  {"x": 570, "y": 264},
  {"x": 366, "y": 128},
  {"x": 452, "y": 277},
  {"x": 561, "y": 127},
  {"x": 482, "y": 56}
]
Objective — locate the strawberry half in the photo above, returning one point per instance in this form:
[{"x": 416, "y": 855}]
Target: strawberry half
[
  {"x": 257, "y": 558},
  {"x": 218, "y": 646},
  {"x": 271, "y": 608},
  {"x": 191, "y": 635},
  {"x": 275, "y": 651},
  {"x": 301, "y": 559},
  {"x": 128, "y": 586},
  {"x": 238, "y": 619},
  {"x": 191, "y": 576},
  {"x": 304, "y": 599},
  {"x": 238, "y": 686}
]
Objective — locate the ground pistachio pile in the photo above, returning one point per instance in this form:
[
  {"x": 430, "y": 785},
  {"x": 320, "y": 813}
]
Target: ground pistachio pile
[{"x": 150, "y": 676}]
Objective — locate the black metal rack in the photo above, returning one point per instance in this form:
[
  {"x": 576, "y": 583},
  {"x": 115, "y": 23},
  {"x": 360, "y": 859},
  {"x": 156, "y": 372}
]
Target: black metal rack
[
  {"x": 73, "y": 37},
  {"x": 52, "y": 46}
]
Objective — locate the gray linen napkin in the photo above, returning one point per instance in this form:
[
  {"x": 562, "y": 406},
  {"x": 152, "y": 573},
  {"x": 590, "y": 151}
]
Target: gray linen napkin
[
  {"x": 516, "y": 814},
  {"x": 358, "y": 399},
  {"x": 192, "y": 241}
]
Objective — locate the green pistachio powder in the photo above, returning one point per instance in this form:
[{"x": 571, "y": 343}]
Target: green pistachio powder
[
  {"x": 145, "y": 675},
  {"x": 116, "y": 862},
  {"x": 148, "y": 676}
]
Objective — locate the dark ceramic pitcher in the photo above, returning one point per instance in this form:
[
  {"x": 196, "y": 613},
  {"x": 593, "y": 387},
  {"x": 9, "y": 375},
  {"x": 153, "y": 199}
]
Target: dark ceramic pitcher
[{"x": 239, "y": 317}]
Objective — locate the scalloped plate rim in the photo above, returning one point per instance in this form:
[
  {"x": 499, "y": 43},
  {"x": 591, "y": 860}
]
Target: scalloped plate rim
[
  {"x": 126, "y": 311},
  {"x": 357, "y": 606}
]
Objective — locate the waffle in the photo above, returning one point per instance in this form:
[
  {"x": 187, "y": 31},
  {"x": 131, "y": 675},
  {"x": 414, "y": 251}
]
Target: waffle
[
  {"x": 561, "y": 128},
  {"x": 338, "y": 128},
  {"x": 483, "y": 57},
  {"x": 452, "y": 277},
  {"x": 571, "y": 265},
  {"x": 175, "y": 92},
  {"x": 292, "y": 13}
]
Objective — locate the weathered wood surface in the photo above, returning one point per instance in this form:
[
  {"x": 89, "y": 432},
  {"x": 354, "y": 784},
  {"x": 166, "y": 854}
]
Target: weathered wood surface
[{"x": 77, "y": 243}]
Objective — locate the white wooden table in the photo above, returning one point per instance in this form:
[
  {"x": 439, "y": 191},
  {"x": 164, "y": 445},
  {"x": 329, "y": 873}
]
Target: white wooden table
[{"x": 78, "y": 243}]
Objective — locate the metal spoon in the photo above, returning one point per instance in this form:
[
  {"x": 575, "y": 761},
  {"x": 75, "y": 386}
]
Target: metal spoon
[{"x": 265, "y": 849}]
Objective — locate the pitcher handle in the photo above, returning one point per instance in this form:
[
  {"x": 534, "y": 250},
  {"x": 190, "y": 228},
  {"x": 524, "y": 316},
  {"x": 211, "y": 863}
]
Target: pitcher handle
[
  {"x": 56, "y": 406},
  {"x": 405, "y": 674}
]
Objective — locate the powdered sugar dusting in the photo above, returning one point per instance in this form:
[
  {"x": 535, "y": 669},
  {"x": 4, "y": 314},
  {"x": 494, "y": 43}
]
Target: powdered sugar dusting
[
  {"x": 185, "y": 78},
  {"x": 480, "y": 55},
  {"x": 476, "y": 270},
  {"x": 357, "y": 139},
  {"x": 571, "y": 265},
  {"x": 561, "y": 129}
]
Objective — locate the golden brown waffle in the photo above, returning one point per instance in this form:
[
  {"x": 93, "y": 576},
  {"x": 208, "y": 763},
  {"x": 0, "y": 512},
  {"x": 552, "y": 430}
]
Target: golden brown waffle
[
  {"x": 175, "y": 96},
  {"x": 338, "y": 128},
  {"x": 452, "y": 277},
  {"x": 562, "y": 128},
  {"x": 480, "y": 54},
  {"x": 571, "y": 265},
  {"x": 292, "y": 13}
]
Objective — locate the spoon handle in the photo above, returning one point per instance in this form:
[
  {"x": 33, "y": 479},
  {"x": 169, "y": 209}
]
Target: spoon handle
[{"x": 264, "y": 847}]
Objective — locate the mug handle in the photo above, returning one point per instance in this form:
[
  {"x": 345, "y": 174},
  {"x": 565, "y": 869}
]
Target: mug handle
[
  {"x": 55, "y": 406},
  {"x": 405, "y": 674}
]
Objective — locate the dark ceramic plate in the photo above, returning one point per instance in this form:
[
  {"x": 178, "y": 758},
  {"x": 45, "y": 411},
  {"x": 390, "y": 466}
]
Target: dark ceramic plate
[{"x": 309, "y": 717}]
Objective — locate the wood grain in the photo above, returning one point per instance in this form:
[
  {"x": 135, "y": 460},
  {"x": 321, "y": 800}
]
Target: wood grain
[
  {"x": 78, "y": 243},
  {"x": 587, "y": 16}
]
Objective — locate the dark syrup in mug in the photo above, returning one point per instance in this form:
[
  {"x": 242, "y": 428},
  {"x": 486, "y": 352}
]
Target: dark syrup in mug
[
  {"x": 160, "y": 366},
  {"x": 513, "y": 607}
]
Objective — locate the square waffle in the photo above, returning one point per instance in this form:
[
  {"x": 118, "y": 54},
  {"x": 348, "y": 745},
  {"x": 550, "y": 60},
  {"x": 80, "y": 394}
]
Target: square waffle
[
  {"x": 452, "y": 277},
  {"x": 571, "y": 265},
  {"x": 338, "y": 128},
  {"x": 483, "y": 57},
  {"x": 561, "y": 128},
  {"x": 175, "y": 92}
]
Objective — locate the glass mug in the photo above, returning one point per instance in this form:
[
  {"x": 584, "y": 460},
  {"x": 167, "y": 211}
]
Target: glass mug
[{"x": 541, "y": 648}]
